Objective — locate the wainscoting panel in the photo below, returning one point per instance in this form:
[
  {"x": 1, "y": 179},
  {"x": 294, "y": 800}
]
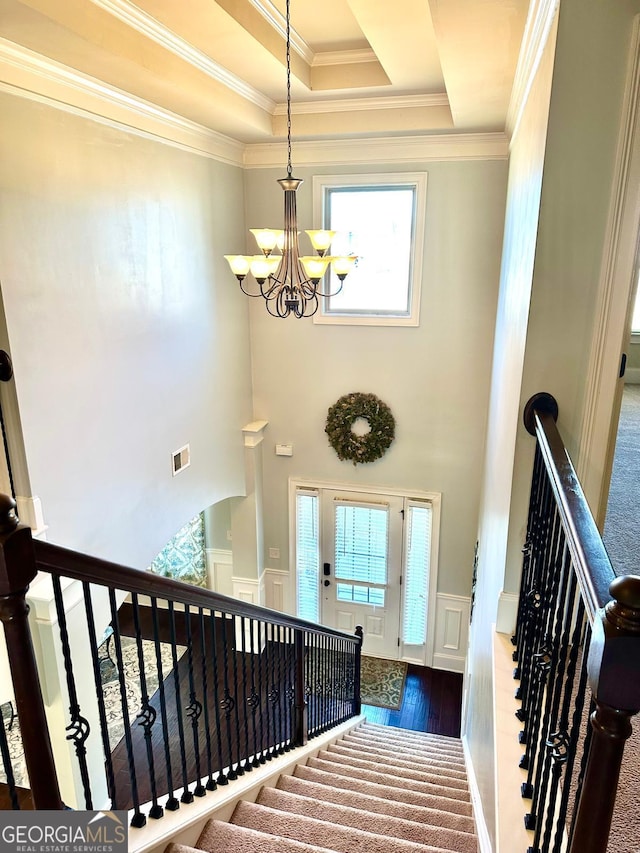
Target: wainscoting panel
[
  {"x": 277, "y": 585},
  {"x": 452, "y": 632},
  {"x": 220, "y": 570},
  {"x": 246, "y": 589}
]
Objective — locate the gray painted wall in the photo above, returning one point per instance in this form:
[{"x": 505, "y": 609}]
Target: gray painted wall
[
  {"x": 127, "y": 337},
  {"x": 583, "y": 120},
  {"x": 435, "y": 377}
]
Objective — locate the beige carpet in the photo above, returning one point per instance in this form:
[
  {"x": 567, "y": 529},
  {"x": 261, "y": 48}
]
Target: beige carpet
[
  {"x": 377, "y": 790},
  {"x": 382, "y": 682}
]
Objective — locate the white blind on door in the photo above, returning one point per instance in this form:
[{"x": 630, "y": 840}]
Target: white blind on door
[
  {"x": 307, "y": 556},
  {"x": 416, "y": 574},
  {"x": 361, "y": 543}
]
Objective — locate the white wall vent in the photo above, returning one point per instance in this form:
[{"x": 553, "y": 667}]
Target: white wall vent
[{"x": 180, "y": 459}]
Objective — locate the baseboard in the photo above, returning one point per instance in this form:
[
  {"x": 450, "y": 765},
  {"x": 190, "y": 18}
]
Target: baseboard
[
  {"x": 450, "y": 663},
  {"x": 484, "y": 840},
  {"x": 185, "y": 825},
  {"x": 632, "y": 376},
  {"x": 507, "y": 613}
]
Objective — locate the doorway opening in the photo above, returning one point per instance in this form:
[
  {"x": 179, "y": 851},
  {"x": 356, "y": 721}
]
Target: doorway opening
[{"x": 368, "y": 558}]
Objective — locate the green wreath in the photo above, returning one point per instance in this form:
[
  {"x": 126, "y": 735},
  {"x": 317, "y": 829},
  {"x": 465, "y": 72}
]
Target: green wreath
[{"x": 360, "y": 448}]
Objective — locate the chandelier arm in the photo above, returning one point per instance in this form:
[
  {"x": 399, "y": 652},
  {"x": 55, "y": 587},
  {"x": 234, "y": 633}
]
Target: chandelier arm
[
  {"x": 320, "y": 292},
  {"x": 248, "y": 292}
]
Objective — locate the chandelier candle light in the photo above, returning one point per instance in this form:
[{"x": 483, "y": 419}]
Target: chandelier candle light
[{"x": 288, "y": 283}]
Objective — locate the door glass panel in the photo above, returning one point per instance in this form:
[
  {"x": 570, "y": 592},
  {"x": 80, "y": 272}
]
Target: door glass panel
[
  {"x": 361, "y": 543},
  {"x": 308, "y": 556},
  {"x": 360, "y": 594},
  {"x": 414, "y": 621}
]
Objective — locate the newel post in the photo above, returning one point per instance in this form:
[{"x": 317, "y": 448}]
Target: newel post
[
  {"x": 301, "y": 729},
  {"x": 357, "y": 701},
  {"x": 614, "y": 677},
  {"x": 17, "y": 570}
]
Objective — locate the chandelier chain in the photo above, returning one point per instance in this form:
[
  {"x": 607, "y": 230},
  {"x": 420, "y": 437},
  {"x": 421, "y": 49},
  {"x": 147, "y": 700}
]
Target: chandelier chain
[{"x": 288, "y": 91}]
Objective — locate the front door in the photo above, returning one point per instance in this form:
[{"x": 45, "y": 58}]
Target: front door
[{"x": 361, "y": 561}]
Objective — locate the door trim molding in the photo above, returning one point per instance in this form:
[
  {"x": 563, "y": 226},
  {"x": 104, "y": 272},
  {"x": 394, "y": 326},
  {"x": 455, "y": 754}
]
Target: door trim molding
[
  {"x": 615, "y": 287},
  {"x": 435, "y": 499}
]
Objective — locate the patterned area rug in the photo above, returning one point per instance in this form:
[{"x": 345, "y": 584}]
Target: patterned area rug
[
  {"x": 382, "y": 682},
  {"x": 112, "y": 699}
]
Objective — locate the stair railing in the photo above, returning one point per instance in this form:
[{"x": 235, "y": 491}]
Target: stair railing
[
  {"x": 578, "y": 655},
  {"x": 170, "y": 690}
]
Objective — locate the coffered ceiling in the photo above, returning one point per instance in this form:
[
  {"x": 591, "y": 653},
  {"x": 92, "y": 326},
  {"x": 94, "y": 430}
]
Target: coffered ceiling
[{"x": 360, "y": 68}]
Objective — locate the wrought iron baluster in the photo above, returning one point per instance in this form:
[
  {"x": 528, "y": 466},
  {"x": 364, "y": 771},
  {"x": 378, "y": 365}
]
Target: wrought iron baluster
[
  {"x": 281, "y": 691},
  {"x": 273, "y": 691},
  {"x": 97, "y": 679},
  {"x": 562, "y": 630},
  {"x": 540, "y": 600},
  {"x": 228, "y": 702},
  {"x": 218, "y": 703},
  {"x": 558, "y": 741},
  {"x": 236, "y": 692},
  {"x": 575, "y": 734},
  {"x": 527, "y": 567},
  {"x": 138, "y": 818},
  {"x": 187, "y": 796},
  {"x": 147, "y": 713},
  {"x": 204, "y": 676},
  {"x": 172, "y": 804},
  {"x": 253, "y": 699},
  {"x": 194, "y": 708},
  {"x": 78, "y": 728},
  {"x": 263, "y": 691},
  {"x": 548, "y": 647},
  {"x": 290, "y": 671},
  {"x": 8, "y": 767},
  {"x": 245, "y": 703}
]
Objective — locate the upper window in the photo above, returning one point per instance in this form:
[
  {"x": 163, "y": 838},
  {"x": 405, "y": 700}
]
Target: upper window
[{"x": 379, "y": 218}]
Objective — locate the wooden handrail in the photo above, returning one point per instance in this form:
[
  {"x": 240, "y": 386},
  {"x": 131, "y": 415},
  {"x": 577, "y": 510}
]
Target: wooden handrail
[
  {"x": 593, "y": 567},
  {"x": 612, "y": 606},
  {"x": 56, "y": 560}
]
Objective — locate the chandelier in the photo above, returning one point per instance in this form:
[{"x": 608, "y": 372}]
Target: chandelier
[{"x": 290, "y": 283}]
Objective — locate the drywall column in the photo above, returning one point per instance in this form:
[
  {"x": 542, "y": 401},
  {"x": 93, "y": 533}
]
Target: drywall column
[{"x": 247, "y": 519}]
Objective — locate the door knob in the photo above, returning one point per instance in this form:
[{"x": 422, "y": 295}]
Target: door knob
[{"x": 327, "y": 583}]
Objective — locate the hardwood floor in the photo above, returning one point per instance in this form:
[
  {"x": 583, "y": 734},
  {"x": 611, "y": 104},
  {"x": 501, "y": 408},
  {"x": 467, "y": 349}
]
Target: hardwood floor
[{"x": 432, "y": 702}]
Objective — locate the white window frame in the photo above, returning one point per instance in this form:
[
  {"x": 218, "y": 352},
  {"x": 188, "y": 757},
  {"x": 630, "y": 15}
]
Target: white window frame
[
  {"x": 433, "y": 498},
  {"x": 414, "y": 180}
]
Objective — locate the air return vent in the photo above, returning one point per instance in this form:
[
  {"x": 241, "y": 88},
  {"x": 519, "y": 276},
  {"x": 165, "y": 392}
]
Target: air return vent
[{"x": 180, "y": 459}]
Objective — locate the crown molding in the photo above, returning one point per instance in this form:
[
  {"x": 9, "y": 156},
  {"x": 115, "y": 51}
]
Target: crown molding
[
  {"x": 413, "y": 149},
  {"x": 344, "y": 57},
  {"x": 540, "y": 18},
  {"x": 30, "y": 75},
  {"x": 143, "y": 23},
  {"x": 361, "y": 104},
  {"x": 274, "y": 16}
]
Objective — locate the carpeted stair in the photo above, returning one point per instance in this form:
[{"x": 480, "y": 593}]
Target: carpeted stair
[{"x": 377, "y": 790}]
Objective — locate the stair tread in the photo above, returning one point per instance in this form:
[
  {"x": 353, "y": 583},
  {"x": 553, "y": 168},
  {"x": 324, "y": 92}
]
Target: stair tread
[
  {"x": 449, "y": 746},
  {"x": 439, "y": 765},
  {"x": 326, "y": 792},
  {"x": 420, "y": 752},
  {"x": 410, "y": 734},
  {"x": 385, "y": 791},
  {"x": 333, "y": 836},
  {"x": 221, "y": 837},
  {"x": 396, "y": 770},
  {"x": 385, "y": 825},
  {"x": 382, "y": 778}
]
